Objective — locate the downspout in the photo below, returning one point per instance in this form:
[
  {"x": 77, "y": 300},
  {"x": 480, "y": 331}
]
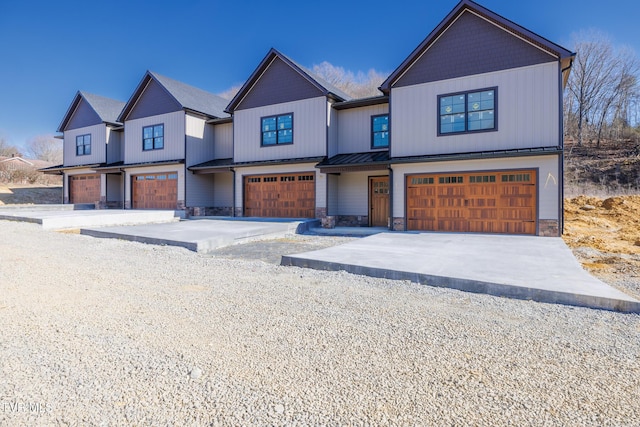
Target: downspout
[
  {"x": 233, "y": 202},
  {"x": 64, "y": 184},
  {"x": 124, "y": 186},
  {"x": 561, "y": 159},
  {"x": 390, "y": 197},
  {"x": 185, "y": 166}
]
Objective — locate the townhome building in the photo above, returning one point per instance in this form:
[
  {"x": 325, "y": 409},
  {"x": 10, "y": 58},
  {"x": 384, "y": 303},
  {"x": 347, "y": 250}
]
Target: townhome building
[
  {"x": 92, "y": 138},
  {"x": 476, "y": 128},
  {"x": 465, "y": 135}
]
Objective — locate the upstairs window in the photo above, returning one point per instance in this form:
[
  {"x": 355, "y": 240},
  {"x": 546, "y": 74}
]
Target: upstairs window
[
  {"x": 277, "y": 130},
  {"x": 153, "y": 137},
  {"x": 380, "y": 131},
  {"x": 468, "y": 112},
  {"x": 83, "y": 145}
]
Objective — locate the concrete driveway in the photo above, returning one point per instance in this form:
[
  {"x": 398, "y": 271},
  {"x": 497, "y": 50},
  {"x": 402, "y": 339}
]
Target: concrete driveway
[
  {"x": 523, "y": 267},
  {"x": 204, "y": 235}
]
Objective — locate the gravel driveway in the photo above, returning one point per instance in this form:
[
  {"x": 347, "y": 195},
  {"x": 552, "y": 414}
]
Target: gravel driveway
[{"x": 107, "y": 332}]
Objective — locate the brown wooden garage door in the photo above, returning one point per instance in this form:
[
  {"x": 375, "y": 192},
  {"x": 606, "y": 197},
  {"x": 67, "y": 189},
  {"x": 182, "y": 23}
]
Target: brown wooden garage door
[
  {"x": 84, "y": 188},
  {"x": 280, "y": 196},
  {"x": 484, "y": 202},
  {"x": 155, "y": 191}
]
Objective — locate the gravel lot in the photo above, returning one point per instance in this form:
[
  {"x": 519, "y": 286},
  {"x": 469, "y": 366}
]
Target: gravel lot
[{"x": 107, "y": 332}]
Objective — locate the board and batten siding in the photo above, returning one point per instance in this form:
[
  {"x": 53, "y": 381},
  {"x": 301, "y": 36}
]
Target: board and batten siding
[
  {"x": 83, "y": 116},
  {"x": 223, "y": 190},
  {"x": 98, "y": 145},
  {"x": 114, "y": 187},
  {"x": 309, "y": 131},
  {"x": 114, "y": 145},
  {"x": 223, "y": 140},
  {"x": 353, "y": 196},
  {"x": 320, "y": 178},
  {"x": 199, "y": 189},
  {"x": 527, "y": 113},
  {"x": 174, "y": 138},
  {"x": 333, "y": 126},
  {"x": 548, "y": 178},
  {"x": 200, "y": 140},
  {"x": 354, "y": 128}
]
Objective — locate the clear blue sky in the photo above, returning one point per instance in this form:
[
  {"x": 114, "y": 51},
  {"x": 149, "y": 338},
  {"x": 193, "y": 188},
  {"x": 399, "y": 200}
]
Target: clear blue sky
[{"x": 51, "y": 49}]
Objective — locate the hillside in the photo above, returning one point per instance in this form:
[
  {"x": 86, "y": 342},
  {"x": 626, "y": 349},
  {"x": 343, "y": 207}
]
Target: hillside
[{"x": 612, "y": 169}]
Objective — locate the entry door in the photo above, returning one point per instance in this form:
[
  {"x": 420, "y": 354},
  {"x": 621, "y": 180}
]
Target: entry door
[{"x": 379, "y": 200}]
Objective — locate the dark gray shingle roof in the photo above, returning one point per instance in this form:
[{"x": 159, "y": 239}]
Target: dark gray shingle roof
[
  {"x": 107, "y": 109},
  {"x": 192, "y": 98}
]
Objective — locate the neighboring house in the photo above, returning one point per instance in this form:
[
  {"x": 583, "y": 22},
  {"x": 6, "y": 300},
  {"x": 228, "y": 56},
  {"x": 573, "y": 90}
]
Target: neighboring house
[
  {"x": 476, "y": 128},
  {"x": 465, "y": 136},
  {"x": 281, "y": 117},
  {"x": 92, "y": 138}
]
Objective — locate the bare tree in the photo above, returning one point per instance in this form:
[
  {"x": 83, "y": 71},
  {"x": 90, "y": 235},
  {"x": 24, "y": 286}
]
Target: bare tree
[
  {"x": 8, "y": 150},
  {"x": 358, "y": 85},
  {"x": 230, "y": 93},
  {"x": 602, "y": 85},
  {"x": 45, "y": 147}
]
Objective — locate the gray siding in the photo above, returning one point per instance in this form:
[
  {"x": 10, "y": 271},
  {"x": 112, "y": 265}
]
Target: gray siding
[
  {"x": 114, "y": 145},
  {"x": 200, "y": 141},
  {"x": 223, "y": 137},
  {"x": 472, "y": 45},
  {"x": 223, "y": 190},
  {"x": 83, "y": 116},
  {"x": 114, "y": 188},
  {"x": 200, "y": 190},
  {"x": 354, "y": 128},
  {"x": 527, "y": 113},
  {"x": 279, "y": 83},
  {"x": 333, "y": 125},
  {"x": 333, "y": 192},
  {"x": 154, "y": 100},
  {"x": 98, "y": 142},
  {"x": 174, "y": 138},
  {"x": 353, "y": 195},
  {"x": 309, "y": 131}
]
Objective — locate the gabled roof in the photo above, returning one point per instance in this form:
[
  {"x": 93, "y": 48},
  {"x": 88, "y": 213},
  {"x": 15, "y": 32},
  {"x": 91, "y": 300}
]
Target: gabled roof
[
  {"x": 563, "y": 55},
  {"x": 189, "y": 97},
  {"x": 325, "y": 87},
  {"x": 106, "y": 108}
]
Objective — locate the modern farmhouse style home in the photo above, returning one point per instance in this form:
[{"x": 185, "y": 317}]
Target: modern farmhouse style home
[{"x": 465, "y": 136}]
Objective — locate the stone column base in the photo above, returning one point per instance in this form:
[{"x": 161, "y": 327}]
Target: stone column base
[
  {"x": 238, "y": 212},
  {"x": 328, "y": 222},
  {"x": 321, "y": 213},
  {"x": 398, "y": 224},
  {"x": 548, "y": 228}
]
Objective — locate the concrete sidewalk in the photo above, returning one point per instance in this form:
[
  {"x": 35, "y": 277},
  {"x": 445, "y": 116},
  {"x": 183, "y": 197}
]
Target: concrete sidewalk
[
  {"x": 535, "y": 268},
  {"x": 204, "y": 235},
  {"x": 56, "y": 218}
]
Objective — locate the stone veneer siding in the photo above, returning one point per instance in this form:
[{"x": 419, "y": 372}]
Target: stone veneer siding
[
  {"x": 548, "y": 228},
  {"x": 398, "y": 224},
  {"x": 209, "y": 211},
  {"x": 352, "y": 220}
]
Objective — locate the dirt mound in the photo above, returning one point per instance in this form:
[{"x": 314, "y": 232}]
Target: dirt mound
[{"x": 604, "y": 235}]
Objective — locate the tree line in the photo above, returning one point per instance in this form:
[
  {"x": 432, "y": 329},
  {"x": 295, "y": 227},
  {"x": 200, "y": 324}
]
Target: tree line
[{"x": 602, "y": 97}]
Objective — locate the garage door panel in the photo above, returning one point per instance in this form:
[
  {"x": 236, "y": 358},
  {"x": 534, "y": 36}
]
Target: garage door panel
[
  {"x": 155, "y": 191},
  {"x": 486, "y": 202},
  {"x": 84, "y": 188},
  {"x": 280, "y": 196}
]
